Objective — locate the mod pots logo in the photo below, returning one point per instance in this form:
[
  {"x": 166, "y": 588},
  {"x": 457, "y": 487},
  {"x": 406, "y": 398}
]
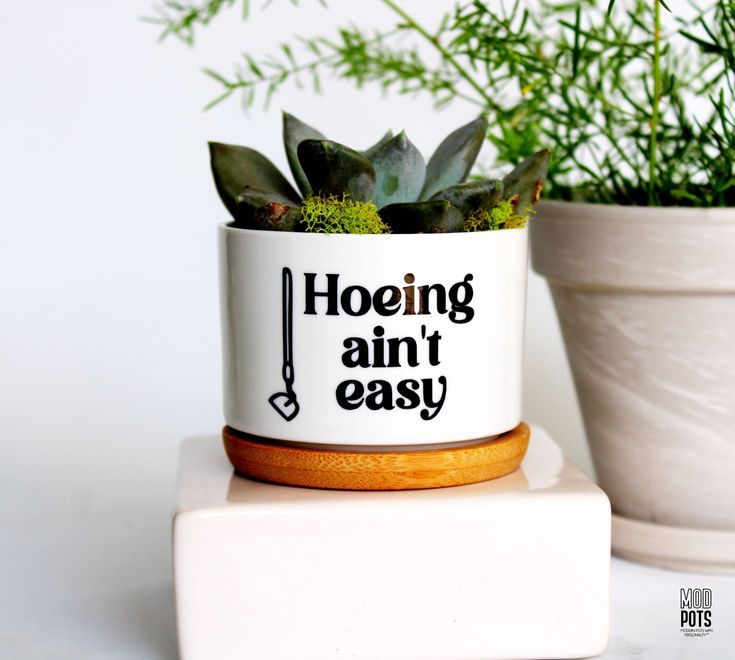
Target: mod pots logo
[{"x": 696, "y": 612}]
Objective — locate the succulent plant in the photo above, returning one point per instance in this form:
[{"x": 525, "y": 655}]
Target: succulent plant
[{"x": 388, "y": 188}]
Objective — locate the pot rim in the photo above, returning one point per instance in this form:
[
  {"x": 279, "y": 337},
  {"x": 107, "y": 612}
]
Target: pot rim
[
  {"x": 638, "y": 249},
  {"x": 227, "y": 227},
  {"x": 634, "y": 213}
]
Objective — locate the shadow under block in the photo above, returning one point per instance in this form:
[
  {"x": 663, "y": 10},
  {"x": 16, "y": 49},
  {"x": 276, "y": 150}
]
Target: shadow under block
[{"x": 517, "y": 567}]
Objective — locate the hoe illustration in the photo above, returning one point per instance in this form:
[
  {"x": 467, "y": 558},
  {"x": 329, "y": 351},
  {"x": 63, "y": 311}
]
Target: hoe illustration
[{"x": 285, "y": 403}]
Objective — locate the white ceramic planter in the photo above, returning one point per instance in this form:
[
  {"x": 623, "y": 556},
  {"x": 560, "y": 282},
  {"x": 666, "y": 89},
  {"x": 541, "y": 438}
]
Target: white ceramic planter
[
  {"x": 646, "y": 302},
  {"x": 395, "y": 340}
]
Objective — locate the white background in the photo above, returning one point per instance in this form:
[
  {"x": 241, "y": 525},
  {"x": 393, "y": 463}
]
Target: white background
[{"x": 109, "y": 327}]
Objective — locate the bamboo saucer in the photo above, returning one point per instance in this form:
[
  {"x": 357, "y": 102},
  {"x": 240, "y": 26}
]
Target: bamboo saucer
[{"x": 280, "y": 463}]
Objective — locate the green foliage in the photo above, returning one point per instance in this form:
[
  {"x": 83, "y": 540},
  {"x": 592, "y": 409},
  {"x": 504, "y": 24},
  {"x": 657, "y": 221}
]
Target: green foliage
[
  {"x": 181, "y": 19},
  {"x": 523, "y": 185},
  {"x": 454, "y": 157},
  {"x": 428, "y": 217},
  {"x": 275, "y": 216},
  {"x": 501, "y": 216},
  {"x": 236, "y": 167},
  {"x": 373, "y": 149},
  {"x": 344, "y": 188},
  {"x": 638, "y": 105},
  {"x": 332, "y": 215},
  {"x": 400, "y": 171},
  {"x": 249, "y": 200},
  {"x": 334, "y": 169},
  {"x": 294, "y": 132},
  {"x": 473, "y": 196}
]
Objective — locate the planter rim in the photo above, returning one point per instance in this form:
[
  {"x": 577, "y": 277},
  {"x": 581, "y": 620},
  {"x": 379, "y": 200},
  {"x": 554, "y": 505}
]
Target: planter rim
[
  {"x": 635, "y": 249},
  {"x": 634, "y": 213},
  {"x": 302, "y": 235}
]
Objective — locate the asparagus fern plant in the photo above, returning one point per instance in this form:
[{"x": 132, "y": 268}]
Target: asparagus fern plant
[
  {"x": 636, "y": 101},
  {"x": 387, "y": 188}
]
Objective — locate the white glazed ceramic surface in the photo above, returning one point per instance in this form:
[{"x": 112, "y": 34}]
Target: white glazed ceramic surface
[
  {"x": 462, "y": 383},
  {"x": 516, "y": 567},
  {"x": 646, "y": 302}
]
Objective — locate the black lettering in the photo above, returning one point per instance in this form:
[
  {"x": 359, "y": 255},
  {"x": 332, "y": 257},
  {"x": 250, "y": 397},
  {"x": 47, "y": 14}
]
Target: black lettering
[
  {"x": 330, "y": 294},
  {"x": 461, "y": 305},
  {"x": 394, "y": 351},
  {"x": 357, "y": 353},
  {"x": 387, "y": 305},
  {"x": 346, "y": 300},
  {"x": 350, "y": 399},
  {"x": 433, "y": 340},
  {"x": 408, "y": 391},
  {"x": 408, "y": 290},
  {"x": 428, "y": 384},
  {"x": 381, "y": 397},
  {"x": 425, "y": 298},
  {"x": 378, "y": 343}
]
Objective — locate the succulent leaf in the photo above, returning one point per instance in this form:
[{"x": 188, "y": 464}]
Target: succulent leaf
[
  {"x": 235, "y": 167},
  {"x": 341, "y": 186},
  {"x": 454, "y": 157},
  {"x": 295, "y": 131},
  {"x": 473, "y": 196},
  {"x": 249, "y": 200},
  {"x": 523, "y": 185},
  {"x": 333, "y": 169},
  {"x": 278, "y": 217},
  {"x": 399, "y": 170},
  {"x": 370, "y": 151},
  {"x": 435, "y": 216}
]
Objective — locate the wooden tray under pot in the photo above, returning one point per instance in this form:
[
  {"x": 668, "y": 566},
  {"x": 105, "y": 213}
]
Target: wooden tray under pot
[{"x": 282, "y": 463}]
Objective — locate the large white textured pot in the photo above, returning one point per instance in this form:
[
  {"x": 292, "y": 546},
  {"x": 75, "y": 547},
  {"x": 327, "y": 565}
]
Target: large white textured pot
[
  {"x": 373, "y": 340},
  {"x": 646, "y": 303}
]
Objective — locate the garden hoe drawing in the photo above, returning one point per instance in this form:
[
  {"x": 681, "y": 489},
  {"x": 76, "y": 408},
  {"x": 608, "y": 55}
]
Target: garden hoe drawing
[{"x": 285, "y": 403}]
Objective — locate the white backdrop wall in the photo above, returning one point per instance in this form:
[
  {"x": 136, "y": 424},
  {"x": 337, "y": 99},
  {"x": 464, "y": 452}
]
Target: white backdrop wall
[{"x": 109, "y": 329}]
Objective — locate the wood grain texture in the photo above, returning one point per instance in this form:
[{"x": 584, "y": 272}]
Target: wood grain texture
[{"x": 264, "y": 460}]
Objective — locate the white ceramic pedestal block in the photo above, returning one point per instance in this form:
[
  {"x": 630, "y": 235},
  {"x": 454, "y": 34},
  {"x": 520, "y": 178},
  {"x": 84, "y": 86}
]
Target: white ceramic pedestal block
[{"x": 512, "y": 568}]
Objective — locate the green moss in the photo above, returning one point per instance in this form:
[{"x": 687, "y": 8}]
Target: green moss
[
  {"x": 331, "y": 215},
  {"x": 501, "y": 216},
  {"x": 477, "y": 221}
]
